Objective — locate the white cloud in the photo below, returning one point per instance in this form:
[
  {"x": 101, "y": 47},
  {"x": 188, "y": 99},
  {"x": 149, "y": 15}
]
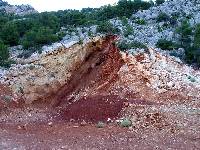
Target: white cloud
[{"x": 51, "y": 5}]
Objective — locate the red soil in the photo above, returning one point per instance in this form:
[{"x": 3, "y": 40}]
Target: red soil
[{"x": 94, "y": 109}]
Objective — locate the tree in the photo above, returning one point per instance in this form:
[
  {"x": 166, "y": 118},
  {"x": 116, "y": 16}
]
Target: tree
[
  {"x": 106, "y": 12},
  {"x": 4, "y": 53},
  {"x": 39, "y": 37},
  {"x": 190, "y": 42},
  {"x": 128, "y": 7},
  {"x": 48, "y": 19},
  {"x": 9, "y": 34},
  {"x": 197, "y": 36},
  {"x": 166, "y": 44},
  {"x": 163, "y": 17},
  {"x": 185, "y": 32},
  {"x": 3, "y": 21},
  {"x": 195, "y": 50},
  {"x": 107, "y": 27}
]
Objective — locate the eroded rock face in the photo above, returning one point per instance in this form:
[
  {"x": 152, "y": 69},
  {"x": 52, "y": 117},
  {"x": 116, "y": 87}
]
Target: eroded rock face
[
  {"x": 62, "y": 69},
  {"x": 98, "y": 68}
]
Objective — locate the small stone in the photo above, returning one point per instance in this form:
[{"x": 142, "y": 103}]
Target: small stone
[
  {"x": 108, "y": 120},
  {"x": 50, "y": 123},
  {"x": 83, "y": 123},
  {"x": 126, "y": 104}
]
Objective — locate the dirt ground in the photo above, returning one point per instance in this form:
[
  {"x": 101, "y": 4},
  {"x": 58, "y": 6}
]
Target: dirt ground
[
  {"x": 161, "y": 127},
  {"x": 67, "y": 136},
  {"x": 64, "y": 136}
]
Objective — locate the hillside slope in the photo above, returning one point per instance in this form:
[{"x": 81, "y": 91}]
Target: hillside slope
[
  {"x": 73, "y": 88},
  {"x": 80, "y": 92}
]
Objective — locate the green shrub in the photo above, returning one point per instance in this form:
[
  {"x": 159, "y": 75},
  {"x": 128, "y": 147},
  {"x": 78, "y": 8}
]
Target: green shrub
[
  {"x": 7, "y": 98},
  {"x": 90, "y": 34},
  {"x": 61, "y": 35},
  {"x": 128, "y": 7},
  {"x": 192, "y": 55},
  {"x": 124, "y": 21},
  {"x": 39, "y": 37},
  {"x": 140, "y": 21},
  {"x": 107, "y": 27},
  {"x": 160, "y": 29},
  {"x": 197, "y": 36},
  {"x": 192, "y": 79},
  {"x": 80, "y": 41},
  {"x": 158, "y": 2},
  {"x": 166, "y": 25},
  {"x": 28, "y": 52},
  {"x": 128, "y": 31},
  {"x": 175, "y": 15},
  {"x": 166, "y": 45},
  {"x": 126, "y": 123},
  {"x": 9, "y": 34},
  {"x": 163, "y": 17},
  {"x": 124, "y": 45},
  {"x": 100, "y": 124},
  {"x": 6, "y": 63},
  {"x": 4, "y": 53},
  {"x": 185, "y": 33}
]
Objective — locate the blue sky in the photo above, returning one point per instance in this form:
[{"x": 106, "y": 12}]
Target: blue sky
[{"x": 53, "y": 5}]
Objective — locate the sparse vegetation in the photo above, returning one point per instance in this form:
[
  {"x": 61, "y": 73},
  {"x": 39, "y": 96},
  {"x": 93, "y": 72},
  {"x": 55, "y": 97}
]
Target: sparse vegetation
[
  {"x": 107, "y": 27},
  {"x": 128, "y": 31},
  {"x": 124, "y": 45},
  {"x": 189, "y": 40},
  {"x": 140, "y": 21},
  {"x": 185, "y": 32},
  {"x": 166, "y": 44},
  {"x": 158, "y": 2},
  {"x": 100, "y": 124},
  {"x": 126, "y": 123},
  {"x": 35, "y": 30},
  {"x": 124, "y": 21},
  {"x": 7, "y": 98},
  {"x": 4, "y": 55},
  {"x": 192, "y": 79},
  {"x": 163, "y": 17},
  {"x": 197, "y": 36},
  {"x": 39, "y": 37}
]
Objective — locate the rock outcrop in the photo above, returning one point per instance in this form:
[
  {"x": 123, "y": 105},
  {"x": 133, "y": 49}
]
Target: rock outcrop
[
  {"x": 98, "y": 68},
  {"x": 41, "y": 78},
  {"x": 151, "y": 30},
  {"x": 16, "y": 9}
]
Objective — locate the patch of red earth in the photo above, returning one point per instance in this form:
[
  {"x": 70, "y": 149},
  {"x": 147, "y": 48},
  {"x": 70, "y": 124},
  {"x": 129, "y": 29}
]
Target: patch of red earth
[
  {"x": 140, "y": 57},
  {"x": 94, "y": 109},
  {"x": 63, "y": 136}
]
